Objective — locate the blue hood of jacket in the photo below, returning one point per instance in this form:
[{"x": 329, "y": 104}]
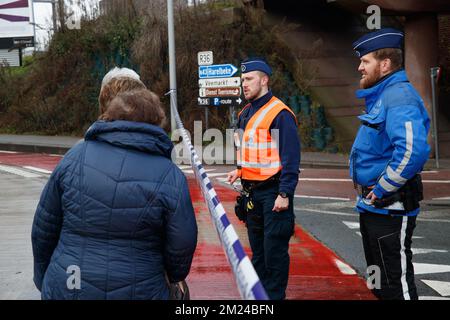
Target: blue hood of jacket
[{"x": 132, "y": 135}]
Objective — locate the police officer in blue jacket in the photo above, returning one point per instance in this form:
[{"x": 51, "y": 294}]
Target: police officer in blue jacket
[{"x": 387, "y": 156}]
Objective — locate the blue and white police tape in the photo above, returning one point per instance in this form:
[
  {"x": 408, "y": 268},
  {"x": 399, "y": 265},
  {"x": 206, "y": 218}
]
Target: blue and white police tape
[{"x": 248, "y": 282}]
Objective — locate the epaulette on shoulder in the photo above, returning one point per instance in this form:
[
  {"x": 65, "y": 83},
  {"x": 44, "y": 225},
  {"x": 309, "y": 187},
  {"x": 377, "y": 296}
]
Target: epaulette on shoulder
[{"x": 399, "y": 94}]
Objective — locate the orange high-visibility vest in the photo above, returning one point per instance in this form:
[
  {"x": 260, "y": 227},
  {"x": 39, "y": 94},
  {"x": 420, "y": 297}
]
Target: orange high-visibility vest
[{"x": 257, "y": 155}]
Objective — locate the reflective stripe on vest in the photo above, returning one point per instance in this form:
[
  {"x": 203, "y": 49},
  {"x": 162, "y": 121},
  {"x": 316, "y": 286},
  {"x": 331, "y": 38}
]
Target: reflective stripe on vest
[{"x": 259, "y": 156}]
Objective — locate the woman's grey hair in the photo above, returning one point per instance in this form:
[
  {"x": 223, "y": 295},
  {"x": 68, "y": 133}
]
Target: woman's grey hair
[{"x": 117, "y": 73}]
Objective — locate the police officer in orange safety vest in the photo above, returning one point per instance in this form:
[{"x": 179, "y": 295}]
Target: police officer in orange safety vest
[{"x": 268, "y": 159}]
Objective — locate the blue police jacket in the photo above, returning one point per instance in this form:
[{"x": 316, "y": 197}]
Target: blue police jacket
[
  {"x": 391, "y": 145},
  {"x": 117, "y": 214}
]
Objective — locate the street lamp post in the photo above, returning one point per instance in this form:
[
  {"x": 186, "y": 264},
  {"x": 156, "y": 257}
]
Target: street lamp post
[{"x": 172, "y": 65}]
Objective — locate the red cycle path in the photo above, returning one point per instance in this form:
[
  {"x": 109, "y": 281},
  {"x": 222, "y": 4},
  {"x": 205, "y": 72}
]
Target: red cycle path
[
  {"x": 313, "y": 271},
  {"x": 313, "y": 274}
]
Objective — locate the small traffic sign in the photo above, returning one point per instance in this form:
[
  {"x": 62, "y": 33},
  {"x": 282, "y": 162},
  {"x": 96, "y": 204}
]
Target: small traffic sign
[
  {"x": 219, "y": 101},
  {"x": 220, "y": 92},
  {"x": 203, "y": 101},
  {"x": 220, "y": 82},
  {"x": 205, "y": 58},
  {"x": 217, "y": 71}
]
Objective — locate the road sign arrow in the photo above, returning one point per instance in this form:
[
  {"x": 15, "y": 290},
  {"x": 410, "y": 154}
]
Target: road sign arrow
[
  {"x": 217, "y": 71},
  {"x": 219, "y": 82}
]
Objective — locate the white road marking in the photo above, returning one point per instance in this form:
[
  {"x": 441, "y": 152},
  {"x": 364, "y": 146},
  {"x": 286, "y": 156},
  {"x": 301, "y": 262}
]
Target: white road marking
[
  {"x": 441, "y": 287},
  {"x": 351, "y": 224},
  {"x": 433, "y": 220},
  {"x": 192, "y": 171},
  {"x": 349, "y": 180},
  {"x": 424, "y": 251},
  {"x": 321, "y": 197},
  {"x": 432, "y": 298},
  {"x": 184, "y": 167},
  {"x": 212, "y": 175},
  {"x": 19, "y": 172},
  {"x": 325, "y": 212},
  {"x": 444, "y": 198},
  {"x": 344, "y": 268},
  {"x": 324, "y": 180},
  {"x": 8, "y": 152},
  {"x": 38, "y": 169},
  {"x": 427, "y": 268},
  {"x": 417, "y": 237}
]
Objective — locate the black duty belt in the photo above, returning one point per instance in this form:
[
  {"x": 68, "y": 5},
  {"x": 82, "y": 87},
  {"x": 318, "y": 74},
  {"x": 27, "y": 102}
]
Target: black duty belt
[
  {"x": 410, "y": 194},
  {"x": 250, "y": 185}
]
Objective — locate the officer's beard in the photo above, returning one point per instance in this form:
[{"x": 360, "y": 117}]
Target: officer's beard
[{"x": 370, "y": 78}]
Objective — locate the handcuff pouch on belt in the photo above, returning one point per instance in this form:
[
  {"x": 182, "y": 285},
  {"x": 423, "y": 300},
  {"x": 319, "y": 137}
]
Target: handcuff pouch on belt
[
  {"x": 410, "y": 194},
  {"x": 244, "y": 203}
]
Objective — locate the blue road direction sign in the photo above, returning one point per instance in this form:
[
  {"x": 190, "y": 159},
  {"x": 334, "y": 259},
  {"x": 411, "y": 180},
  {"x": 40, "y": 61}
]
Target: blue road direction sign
[
  {"x": 219, "y": 101},
  {"x": 217, "y": 71}
]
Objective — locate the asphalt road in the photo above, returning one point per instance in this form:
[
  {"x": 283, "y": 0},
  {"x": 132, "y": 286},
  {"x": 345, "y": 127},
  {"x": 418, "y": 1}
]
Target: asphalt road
[{"x": 323, "y": 207}]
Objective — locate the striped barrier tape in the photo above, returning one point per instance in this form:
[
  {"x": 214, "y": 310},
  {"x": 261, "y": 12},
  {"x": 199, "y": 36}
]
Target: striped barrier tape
[{"x": 247, "y": 280}]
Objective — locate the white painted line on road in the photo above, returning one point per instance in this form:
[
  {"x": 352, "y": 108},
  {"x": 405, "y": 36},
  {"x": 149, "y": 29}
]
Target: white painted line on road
[
  {"x": 443, "y": 198},
  {"x": 432, "y": 298},
  {"x": 191, "y": 171},
  {"x": 344, "y": 268},
  {"x": 427, "y": 268},
  {"x": 436, "y": 181},
  {"x": 351, "y": 224},
  {"x": 184, "y": 167},
  {"x": 38, "y": 169},
  {"x": 320, "y": 197},
  {"x": 8, "y": 152},
  {"x": 433, "y": 220},
  {"x": 417, "y": 237},
  {"x": 212, "y": 175},
  {"x": 324, "y": 180},
  {"x": 441, "y": 287},
  {"x": 424, "y": 251},
  {"x": 349, "y": 180},
  {"x": 430, "y": 171},
  {"x": 325, "y": 212},
  {"x": 19, "y": 172}
]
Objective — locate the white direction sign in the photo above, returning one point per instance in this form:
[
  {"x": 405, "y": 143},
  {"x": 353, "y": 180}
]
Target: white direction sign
[
  {"x": 219, "y": 82},
  {"x": 220, "y": 92},
  {"x": 205, "y": 58}
]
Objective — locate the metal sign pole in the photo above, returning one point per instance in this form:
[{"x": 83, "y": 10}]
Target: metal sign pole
[
  {"x": 206, "y": 118},
  {"x": 434, "y": 74},
  {"x": 172, "y": 65}
]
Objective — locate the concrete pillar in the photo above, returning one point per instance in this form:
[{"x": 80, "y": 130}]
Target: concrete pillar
[{"x": 421, "y": 53}]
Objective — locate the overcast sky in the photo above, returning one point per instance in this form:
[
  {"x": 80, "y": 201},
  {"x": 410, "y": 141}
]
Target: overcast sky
[{"x": 43, "y": 16}]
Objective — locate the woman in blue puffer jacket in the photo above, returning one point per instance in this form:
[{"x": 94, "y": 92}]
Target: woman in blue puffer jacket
[{"x": 115, "y": 218}]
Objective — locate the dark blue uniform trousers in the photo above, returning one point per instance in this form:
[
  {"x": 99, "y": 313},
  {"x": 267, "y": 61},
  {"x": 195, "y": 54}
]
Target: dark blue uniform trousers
[{"x": 269, "y": 233}]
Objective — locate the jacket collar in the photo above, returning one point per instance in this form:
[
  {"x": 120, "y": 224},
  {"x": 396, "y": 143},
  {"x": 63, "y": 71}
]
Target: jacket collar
[
  {"x": 258, "y": 103},
  {"x": 131, "y": 135},
  {"x": 372, "y": 94}
]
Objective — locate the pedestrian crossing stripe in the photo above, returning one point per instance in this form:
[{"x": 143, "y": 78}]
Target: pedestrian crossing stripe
[
  {"x": 441, "y": 287},
  {"x": 427, "y": 268},
  {"x": 19, "y": 172}
]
